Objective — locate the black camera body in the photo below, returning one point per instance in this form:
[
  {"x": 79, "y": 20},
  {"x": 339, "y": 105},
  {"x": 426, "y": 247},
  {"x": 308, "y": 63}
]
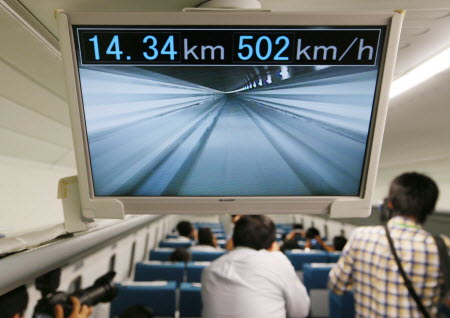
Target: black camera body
[{"x": 103, "y": 290}]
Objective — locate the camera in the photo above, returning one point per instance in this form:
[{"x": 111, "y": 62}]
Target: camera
[
  {"x": 385, "y": 211},
  {"x": 103, "y": 290}
]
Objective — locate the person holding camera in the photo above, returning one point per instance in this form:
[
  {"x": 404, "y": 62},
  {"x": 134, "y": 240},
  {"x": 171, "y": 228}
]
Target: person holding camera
[
  {"x": 14, "y": 303},
  {"x": 314, "y": 241},
  {"x": 78, "y": 310}
]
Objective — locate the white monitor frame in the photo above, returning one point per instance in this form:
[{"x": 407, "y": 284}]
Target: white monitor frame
[{"x": 117, "y": 207}]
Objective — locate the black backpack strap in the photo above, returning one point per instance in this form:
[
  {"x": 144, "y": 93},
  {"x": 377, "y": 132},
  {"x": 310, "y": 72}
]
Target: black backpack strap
[
  {"x": 408, "y": 282},
  {"x": 444, "y": 261}
]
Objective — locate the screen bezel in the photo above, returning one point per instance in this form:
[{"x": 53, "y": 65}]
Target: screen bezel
[{"x": 220, "y": 205}]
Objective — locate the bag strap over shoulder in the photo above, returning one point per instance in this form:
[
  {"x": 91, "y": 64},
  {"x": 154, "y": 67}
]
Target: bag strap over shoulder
[
  {"x": 407, "y": 281},
  {"x": 444, "y": 261}
]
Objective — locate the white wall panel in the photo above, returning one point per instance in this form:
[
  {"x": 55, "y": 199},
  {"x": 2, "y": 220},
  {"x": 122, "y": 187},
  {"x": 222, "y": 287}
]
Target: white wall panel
[
  {"x": 29, "y": 194},
  {"x": 29, "y": 148},
  {"x": 24, "y": 121},
  {"x": 30, "y": 55},
  {"x": 18, "y": 87}
]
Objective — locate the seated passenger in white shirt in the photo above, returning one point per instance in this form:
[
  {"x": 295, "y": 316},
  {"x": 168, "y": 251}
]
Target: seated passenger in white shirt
[
  {"x": 253, "y": 281},
  {"x": 186, "y": 231},
  {"x": 207, "y": 241}
]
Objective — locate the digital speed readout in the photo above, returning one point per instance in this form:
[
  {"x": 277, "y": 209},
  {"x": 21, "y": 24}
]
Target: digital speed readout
[{"x": 191, "y": 46}]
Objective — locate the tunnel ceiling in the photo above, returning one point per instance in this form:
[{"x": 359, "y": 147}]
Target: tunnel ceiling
[{"x": 222, "y": 78}]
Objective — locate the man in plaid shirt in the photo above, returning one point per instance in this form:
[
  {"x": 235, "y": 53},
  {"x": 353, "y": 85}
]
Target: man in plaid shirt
[{"x": 368, "y": 267}]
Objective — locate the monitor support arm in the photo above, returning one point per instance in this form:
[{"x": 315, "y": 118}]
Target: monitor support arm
[
  {"x": 228, "y": 5},
  {"x": 69, "y": 193}
]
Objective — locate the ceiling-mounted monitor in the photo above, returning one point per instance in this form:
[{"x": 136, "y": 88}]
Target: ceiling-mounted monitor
[{"x": 217, "y": 112}]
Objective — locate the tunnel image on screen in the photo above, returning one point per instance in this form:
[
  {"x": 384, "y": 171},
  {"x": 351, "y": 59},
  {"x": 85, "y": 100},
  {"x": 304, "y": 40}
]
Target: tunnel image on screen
[{"x": 227, "y": 130}]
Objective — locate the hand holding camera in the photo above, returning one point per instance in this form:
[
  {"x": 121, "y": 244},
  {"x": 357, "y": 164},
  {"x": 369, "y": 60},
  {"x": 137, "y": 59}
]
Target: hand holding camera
[{"x": 78, "y": 310}]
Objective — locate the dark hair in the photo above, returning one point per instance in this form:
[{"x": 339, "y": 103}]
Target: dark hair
[
  {"x": 137, "y": 311},
  {"x": 339, "y": 242},
  {"x": 14, "y": 302},
  {"x": 184, "y": 228},
  {"x": 205, "y": 236},
  {"x": 289, "y": 245},
  {"x": 297, "y": 226},
  {"x": 254, "y": 231},
  {"x": 180, "y": 254},
  {"x": 311, "y": 233},
  {"x": 234, "y": 217},
  {"x": 413, "y": 194}
]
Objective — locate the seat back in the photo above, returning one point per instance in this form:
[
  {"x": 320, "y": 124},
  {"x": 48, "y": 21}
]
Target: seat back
[
  {"x": 194, "y": 271},
  {"x": 333, "y": 257},
  {"x": 160, "y": 296},
  {"x": 155, "y": 270},
  {"x": 315, "y": 275},
  {"x": 190, "y": 300},
  {"x": 300, "y": 257},
  {"x": 341, "y": 306},
  {"x": 198, "y": 256},
  {"x": 174, "y": 244},
  {"x": 161, "y": 254}
]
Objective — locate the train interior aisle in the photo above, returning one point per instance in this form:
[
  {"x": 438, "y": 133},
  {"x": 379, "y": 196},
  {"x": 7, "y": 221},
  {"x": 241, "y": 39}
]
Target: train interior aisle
[{"x": 276, "y": 122}]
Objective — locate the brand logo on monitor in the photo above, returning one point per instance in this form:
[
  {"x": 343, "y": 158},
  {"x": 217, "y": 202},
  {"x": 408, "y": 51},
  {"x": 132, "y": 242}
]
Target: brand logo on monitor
[{"x": 227, "y": 200}]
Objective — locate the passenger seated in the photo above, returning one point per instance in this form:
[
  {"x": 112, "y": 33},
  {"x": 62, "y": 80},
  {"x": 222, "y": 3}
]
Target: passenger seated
[
  {"x": 207, "y": 241},
  {"x": 254, "y": 280},
  {"x": 14, "y": 303},
  {"x": 186, "y": 231},
  {"x": 315, "y": 242},
  {"x": 180, "y": 254},
  {"x": 339, "y": 243},
  {"x": 137, "y": 311},
  {"x": 290, "y": 245}
]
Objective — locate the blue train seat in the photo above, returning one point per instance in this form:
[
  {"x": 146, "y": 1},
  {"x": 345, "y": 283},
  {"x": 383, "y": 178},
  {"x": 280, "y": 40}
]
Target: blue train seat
[
  {"x": 205, "y": 256},
  {"x": 300, "y": 257},
  {"x": 194, "y": 271},
  {"x": 315, "y": 275},
  {"x": 341, "y": 306},
  {"x": 190, "y": 300},
  {"x": 160, "y": 296},
  {"x": 156, "y": 270},
  {"x": 333, "y": 257},
  {"x": 221, "y": 236},
  {"x": 175, "y": 244},
  {"x": 315, "y": 279},
  {"x": 161, "y": 254},
  {"x": 222, "y": 243}
]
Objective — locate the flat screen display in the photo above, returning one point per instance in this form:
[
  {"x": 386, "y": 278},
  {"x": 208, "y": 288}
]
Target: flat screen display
[{"x": 228, "y": 111}]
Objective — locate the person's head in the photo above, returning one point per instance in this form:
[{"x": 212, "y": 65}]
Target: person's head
[
  {"x": 311, "y": 233},
  {"x": 297, "y": 226},
  {"x": 185, "y": 228},
  {"x": 137, "y": 311},
  {"x": 180, "y": 255},
  {"x": 206, "y": 237},
  {"x": 254, "y": 231},
  {"x": 14, "y": 303},
  {"x": 413, "y": 195},
  {"x": 339, "y": 242},
  {"x": 289, "y": 245},
  {"x": 235, "y": 218}
]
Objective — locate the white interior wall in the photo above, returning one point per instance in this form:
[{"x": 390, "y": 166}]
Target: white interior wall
[{"x": 29, "y": 195}]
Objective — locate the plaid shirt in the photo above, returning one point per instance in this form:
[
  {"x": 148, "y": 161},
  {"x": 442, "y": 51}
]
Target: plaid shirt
[{"x": 368, "y": 267}]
